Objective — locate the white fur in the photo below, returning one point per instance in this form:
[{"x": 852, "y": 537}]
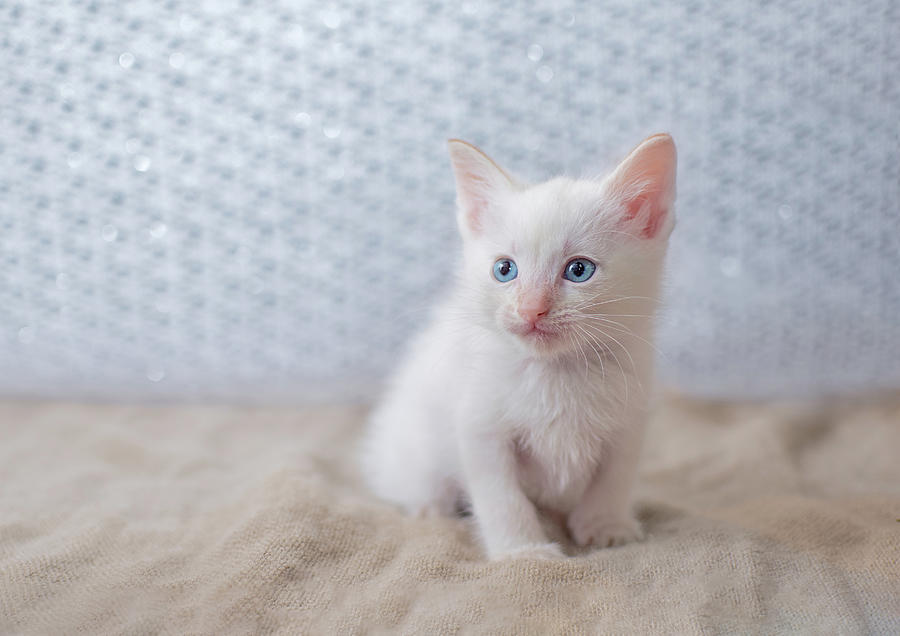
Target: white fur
[{"x": 509, "y": 423}]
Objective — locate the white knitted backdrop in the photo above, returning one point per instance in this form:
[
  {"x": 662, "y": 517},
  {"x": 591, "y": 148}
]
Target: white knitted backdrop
[{"x": 252, "y": 200}]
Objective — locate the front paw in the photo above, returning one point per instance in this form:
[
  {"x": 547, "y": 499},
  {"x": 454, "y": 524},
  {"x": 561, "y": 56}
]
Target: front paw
[{"x": 604, "y": 531}]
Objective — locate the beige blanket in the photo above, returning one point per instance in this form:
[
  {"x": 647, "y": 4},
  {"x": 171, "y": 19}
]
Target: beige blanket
[{"x": 213, "y": 520}]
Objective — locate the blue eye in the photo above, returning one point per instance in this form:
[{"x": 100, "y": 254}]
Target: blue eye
[
  {"x": 505, "y": 270},
  {"x": 579, "y": 270}
]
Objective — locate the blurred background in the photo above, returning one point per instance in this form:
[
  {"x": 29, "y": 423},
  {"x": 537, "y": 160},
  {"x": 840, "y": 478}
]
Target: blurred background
[{"x": 252, "y": 201}]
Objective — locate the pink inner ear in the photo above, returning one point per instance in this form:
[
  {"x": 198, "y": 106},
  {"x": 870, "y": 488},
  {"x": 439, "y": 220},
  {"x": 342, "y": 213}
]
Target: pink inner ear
[
  {"x": 655, "y": 215},
  {"x": 477, "y": 179},
  {"x": 647, "y": 180},
  {"x": 475, "y": 201}
]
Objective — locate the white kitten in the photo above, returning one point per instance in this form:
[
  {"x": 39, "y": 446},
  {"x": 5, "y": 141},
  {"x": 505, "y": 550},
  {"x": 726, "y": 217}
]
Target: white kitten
[{"x": 530, "y": 387}]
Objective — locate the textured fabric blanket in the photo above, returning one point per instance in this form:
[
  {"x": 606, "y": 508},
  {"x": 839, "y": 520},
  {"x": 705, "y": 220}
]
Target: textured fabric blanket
[{"x": 214, "y": 520}]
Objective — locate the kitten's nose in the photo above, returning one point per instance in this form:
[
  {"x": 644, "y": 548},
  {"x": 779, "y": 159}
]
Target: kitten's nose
[{"x": 534, "y": 306}]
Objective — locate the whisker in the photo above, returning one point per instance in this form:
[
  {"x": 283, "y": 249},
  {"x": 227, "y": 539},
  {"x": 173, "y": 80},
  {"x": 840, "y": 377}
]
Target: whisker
[
  {"x": 630, "y": 358},
  {"x": 593, "y": 338},
  {"x": 621, "y": 298},
  {"x": 624, "y": 329},
  {"x": 576, "y": 344},
  {"x": 623, "y": 315},
  {"x": 589, "y": 342}
]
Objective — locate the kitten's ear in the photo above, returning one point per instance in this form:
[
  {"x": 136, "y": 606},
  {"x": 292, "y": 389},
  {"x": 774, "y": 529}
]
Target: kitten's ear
[
  {"x": 645, "y": 183},
  {"x": 478, "y": 181}
]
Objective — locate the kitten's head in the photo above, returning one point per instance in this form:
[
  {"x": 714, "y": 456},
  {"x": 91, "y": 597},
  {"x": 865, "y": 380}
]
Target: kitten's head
[{"x": 565, "y": 266}]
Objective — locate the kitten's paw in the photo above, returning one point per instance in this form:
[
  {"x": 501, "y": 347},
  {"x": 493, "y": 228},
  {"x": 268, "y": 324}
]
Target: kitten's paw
[
  {"x": 602, "y": 531},
  {"x": 542, "y": 551}
]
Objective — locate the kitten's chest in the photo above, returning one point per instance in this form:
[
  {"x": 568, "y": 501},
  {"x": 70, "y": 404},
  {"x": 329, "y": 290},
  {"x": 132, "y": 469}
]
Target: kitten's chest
[
  {"x": 559, "y": 425},
  {"x": 558, "y": 401}
]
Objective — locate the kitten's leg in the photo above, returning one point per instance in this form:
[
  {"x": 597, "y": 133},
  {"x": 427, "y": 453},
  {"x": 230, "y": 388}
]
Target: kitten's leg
[
  {"x": 418, "y": 487},
  {"x": 604, "y": 517},
  {"x": 508, "y": 521},
  {"x": 404, "y": 462}
]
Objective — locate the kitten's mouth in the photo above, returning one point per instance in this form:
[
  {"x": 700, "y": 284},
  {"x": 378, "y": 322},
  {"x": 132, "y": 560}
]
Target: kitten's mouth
[
  {"x": 540, "y": 338},
  {"x": 534, "y": 331}
]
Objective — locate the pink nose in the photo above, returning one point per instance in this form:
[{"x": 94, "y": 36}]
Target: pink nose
[{"x": 533, "y": 307}]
